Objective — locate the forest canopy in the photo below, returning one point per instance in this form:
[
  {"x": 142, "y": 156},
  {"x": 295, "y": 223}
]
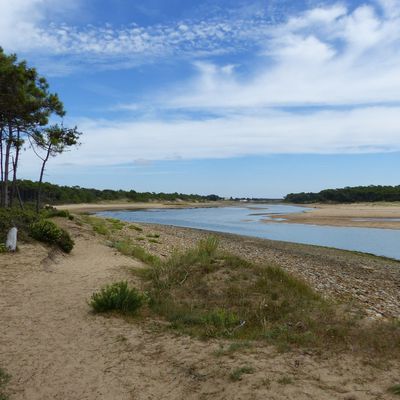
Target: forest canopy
[
  {"x": 348, "y": 195},
  {"x": 54, "y": 194}
]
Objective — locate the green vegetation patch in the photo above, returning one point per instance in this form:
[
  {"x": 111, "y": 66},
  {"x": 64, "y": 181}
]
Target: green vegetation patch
[
  {"x": 4, "y": 379},
  {"x": 135, "y": 228},
  {"x": 395, "y": 389},
  {"x": 237, "y": 374},
  {"x": 117, "y": 297},
  {"x": 211, "y": 294},
  {"x": 36, "y": 226},
  {"x": 48, "y": 232},
  {"x": 153, "y": 235},
  {"x": 128, "y": 248}
]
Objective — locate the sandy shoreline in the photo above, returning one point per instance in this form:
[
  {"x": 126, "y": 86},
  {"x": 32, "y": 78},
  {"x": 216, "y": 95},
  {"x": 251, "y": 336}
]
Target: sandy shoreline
[
  {"x": 110, "y": 206},
  {"x": 363, "y": 215}
]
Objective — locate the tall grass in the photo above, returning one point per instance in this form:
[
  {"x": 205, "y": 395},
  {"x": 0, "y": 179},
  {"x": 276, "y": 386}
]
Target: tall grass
[{"x": 208, "y": 293}]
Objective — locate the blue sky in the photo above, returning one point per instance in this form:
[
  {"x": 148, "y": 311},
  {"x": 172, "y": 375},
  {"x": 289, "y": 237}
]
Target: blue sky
[{"x": 239, "y": 98}]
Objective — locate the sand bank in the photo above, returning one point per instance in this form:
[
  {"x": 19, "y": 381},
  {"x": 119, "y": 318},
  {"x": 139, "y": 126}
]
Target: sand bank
[
  {"x": 110, "y": 206},
  {"x": 364, "y": 215}
]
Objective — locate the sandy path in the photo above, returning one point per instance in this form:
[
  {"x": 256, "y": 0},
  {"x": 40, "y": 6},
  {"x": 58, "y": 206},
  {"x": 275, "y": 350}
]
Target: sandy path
[{"x": 54, "y": 348}]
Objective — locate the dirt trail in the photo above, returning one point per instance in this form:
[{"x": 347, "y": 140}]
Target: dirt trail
[{"x": 54, "y": 348}]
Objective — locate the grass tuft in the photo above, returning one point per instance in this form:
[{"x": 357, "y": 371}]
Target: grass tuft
[
  {"x": 4, "y": 379},
  {"x": 117, "y": 297},
  {"x": 135, "y": 228},
  {"x": 128, "y": 248},
  {"x": 237, "y": 374},
  {"x": 395, "y": 389}
]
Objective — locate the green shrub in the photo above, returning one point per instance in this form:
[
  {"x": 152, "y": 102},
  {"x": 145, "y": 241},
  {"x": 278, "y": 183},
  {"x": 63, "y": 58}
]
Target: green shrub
[
  {"x": 117, "y": 297},
  {"x": 45, "y": 231},
  {"x": 50, "y": 212},
  {"x": 3, "y": 248},
  {"x": 48, "y": 232},
  {"x": 65, "y": 243},
  {"x": 22, "y": 219}
]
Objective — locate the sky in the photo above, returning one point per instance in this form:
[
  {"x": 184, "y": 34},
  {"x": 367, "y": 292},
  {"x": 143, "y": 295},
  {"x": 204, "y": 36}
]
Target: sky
[{"x": 254, "y": 98}]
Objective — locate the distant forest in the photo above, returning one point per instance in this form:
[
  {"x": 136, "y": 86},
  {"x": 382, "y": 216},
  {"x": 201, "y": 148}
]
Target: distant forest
[
  {"x": 348, "y": 195},
  {"x": 55, "y": 194}
]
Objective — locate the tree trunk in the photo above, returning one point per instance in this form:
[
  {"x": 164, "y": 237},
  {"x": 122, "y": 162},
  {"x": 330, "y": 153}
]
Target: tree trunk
[
  {"x": 39, "y": 192},
  {"x": 7, "y": 167},
  {"x": 15, "y": 166},
  {"x": 1, "y": 167}
]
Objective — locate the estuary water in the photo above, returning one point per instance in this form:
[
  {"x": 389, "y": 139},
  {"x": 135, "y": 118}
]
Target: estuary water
[{"x": 247, "y": 220}]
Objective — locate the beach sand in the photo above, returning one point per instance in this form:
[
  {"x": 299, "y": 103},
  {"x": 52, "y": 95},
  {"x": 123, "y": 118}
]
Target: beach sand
[
  {"x": 362, "y": 215},
  {"x": 110, "y": 206},
  {"x": 55, "y": 348}
]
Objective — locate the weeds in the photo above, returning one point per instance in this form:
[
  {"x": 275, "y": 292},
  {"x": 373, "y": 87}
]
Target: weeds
[
  {"x": 135, "y": 228},
  {"x": 395, "y": 389},
  {"x": 232, "y": 348},
  {"x": 128, "y": 248},
  {"x": 153, "y": 235},
  {"x": 236, "y": 374},
  {"x": 4, "y": 379},
  {"x": 285, "y": 380},
  {"x": 117, "y": 297}
]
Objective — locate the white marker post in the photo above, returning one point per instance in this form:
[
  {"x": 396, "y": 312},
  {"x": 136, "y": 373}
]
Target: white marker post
[{"x": 11, "y": 242}]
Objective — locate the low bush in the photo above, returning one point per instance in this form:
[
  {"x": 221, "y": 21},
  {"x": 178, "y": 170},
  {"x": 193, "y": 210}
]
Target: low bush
[
  {"x": 50, "y": 212},
  {"x": 22, "y": 219},
  {"x": 117, "y": 297},
  {"x": 48, "y": 232},
  {"x": 45, "y": 231},
  {"x": 65, "y": 242}
]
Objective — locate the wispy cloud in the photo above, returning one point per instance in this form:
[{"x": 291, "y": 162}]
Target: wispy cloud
[
  {"x": 25, "y": 28},
  {"x": 325, "y": 57},
  {"x": 323, "y": 81}
]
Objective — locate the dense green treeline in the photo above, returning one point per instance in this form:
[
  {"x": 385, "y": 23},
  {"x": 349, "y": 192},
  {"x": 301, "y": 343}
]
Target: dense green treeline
[
  {"x": 348, "y": 195},
  {"x": 55, "y": 194}
]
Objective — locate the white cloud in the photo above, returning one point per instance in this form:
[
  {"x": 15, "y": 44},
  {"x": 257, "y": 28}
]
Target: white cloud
[
  {"x": 366, "y": 130},
  {"x": 326, "y": 56},
  {"x": 323, "y": 57}
]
